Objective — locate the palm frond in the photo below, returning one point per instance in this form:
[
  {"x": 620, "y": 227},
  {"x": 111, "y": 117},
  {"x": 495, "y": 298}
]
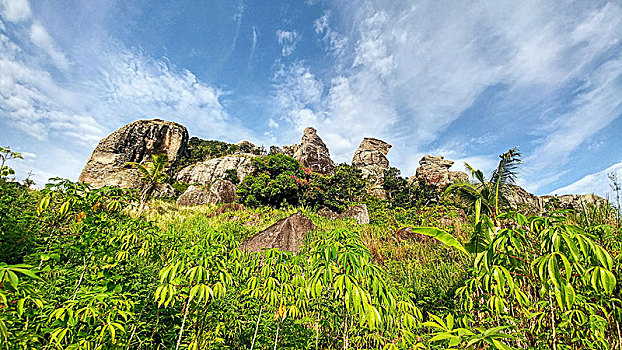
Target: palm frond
[
  {"x": 478, "y": 174},
  {"x": 506, "y": 171}
]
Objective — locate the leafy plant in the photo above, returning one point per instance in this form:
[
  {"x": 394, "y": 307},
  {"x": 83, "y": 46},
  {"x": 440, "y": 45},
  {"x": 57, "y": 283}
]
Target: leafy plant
[{"x": 152, "y": 173}]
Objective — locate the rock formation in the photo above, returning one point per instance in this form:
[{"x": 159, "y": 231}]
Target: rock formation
[
  {"x": 313, "y": 153},
  {"x": 286, "y": 234},
  {"x": 371, "y": 158},
  {"x": 134, "y": 142},
  {"x": 356, "y": 212},
  {"x": 434, "y": 170},
  {"x": 208, "y": 171},
  {"x": 524, "y": 201},
  {"x": 221, "y": 191}
]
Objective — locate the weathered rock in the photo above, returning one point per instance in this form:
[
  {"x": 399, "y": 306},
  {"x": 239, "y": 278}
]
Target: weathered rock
[
  {"x": 435, "y": 171},
  {"x": 524, "y": 201},
  {"x": 357, "y": 212},
  {"x": 163, "y": 190},
  {"x": 286, "y": 234},
  {"x": 134, "y": 142},
  {"x": 221, "y": 191},
  {"x": 313, "y": 153},
  {"x": 206, "y": 172},
  {"x": 371, "y": 158}
]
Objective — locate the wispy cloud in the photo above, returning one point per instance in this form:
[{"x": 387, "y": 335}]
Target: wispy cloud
[
  {"x": 412, "y": 70},
  {"x": 43, "y": 99},
  {"x": 597, "y": 183},
  {"x": 15, "y": 10},
  {"x": 288, "y": 39}
]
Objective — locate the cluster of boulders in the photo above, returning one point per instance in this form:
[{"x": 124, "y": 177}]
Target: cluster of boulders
[
  {"x": 435, "y": 170},
  {"x": 136, "y": 142}
]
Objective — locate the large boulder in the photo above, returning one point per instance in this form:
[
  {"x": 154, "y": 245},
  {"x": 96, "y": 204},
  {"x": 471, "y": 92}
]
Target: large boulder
[
  {"x": 208, "y": 171},
  {"x": 371, "y": 158},
  {"x": 434, "y": 170},
  {"x": 221, "y": 191},
  {"x": 134, "y": 142},
  {"x": 313, "y": 153},
  {"x": 357, "y": 212},
  {"x": 286, "y": 234}
]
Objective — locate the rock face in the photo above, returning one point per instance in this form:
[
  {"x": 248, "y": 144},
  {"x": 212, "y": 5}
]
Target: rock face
[
  {"x": 521, "y": 199},
  {"x": 286, "y": 234},
  {"x": 206, "y": 172},
  {"x": 371, "y": 158},
  {"x": 134, "y": 142},
  {"x": 434, "y": 170},
  {"x": 313, "y": 153},
  {"x": 356, "y": 212},
  {"x": 221, "y": 191}
]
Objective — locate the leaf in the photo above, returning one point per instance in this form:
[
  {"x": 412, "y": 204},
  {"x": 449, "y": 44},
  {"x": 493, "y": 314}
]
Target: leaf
[{"x": 442, "y": 236}]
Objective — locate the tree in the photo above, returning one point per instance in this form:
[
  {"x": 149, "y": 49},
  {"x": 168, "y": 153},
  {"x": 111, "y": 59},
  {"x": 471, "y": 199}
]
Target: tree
[
  {"x": 487, "y": 196},
  {"x": 7, "y": 154},
  {"x": 152, "y": 174}
]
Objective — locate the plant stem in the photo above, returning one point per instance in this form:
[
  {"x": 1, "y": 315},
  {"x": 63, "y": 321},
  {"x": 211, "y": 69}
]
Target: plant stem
[
  {"x": 276, "y": 338},
  {"x": 256, "y": 328},
  {"x": 183, "y": 322},
  {"x": 75, "y": 293}
]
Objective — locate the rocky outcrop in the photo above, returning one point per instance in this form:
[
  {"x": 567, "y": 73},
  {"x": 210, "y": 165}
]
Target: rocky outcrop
[
  {"x": 134, "y": 142},
  {"x": 371, "y": 158},
  {"x": 286, "y": 234},
  {"x": 206, "y": 172},
  {"x": 313, "y": 153},
  {"x": 524, "y": 201},
  {"x": 434, "y": 170},
  {"x": 357, "y": 212},
  {"x": 221, "y": 191}
]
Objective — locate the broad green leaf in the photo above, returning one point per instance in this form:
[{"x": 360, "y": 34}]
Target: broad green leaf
[{"x": 442, "y": 236}]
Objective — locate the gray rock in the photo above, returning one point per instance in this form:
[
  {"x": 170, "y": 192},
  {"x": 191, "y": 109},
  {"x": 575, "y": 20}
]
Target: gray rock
[
  {"x": 286, "y": 234},
  {"x": 208, "y": 171},
  {"x": 134, "y": 142},
  {"x": 371, "y": 158},
  {"x": 434, "y": 170},
  {"x": 357, "y": 212},
  {"x": 221, "y": 191},
  {"x": 313, "y": 153}
]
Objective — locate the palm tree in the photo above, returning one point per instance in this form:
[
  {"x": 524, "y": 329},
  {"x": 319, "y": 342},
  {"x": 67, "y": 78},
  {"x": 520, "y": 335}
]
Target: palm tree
[
  {"x": 487, "y": 196},
  {"x": 152, "y": 174}
]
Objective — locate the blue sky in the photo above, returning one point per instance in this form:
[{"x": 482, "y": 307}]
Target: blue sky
[{"x": 466, "y": 80}]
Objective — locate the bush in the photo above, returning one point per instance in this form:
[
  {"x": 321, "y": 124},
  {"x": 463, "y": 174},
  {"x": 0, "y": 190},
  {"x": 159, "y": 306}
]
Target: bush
[
  {"x": 404, "y": 194},
  {"x": 280, "y": 181}
]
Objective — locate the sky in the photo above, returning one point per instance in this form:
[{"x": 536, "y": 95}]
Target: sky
[{"x": 464, "y": 79}]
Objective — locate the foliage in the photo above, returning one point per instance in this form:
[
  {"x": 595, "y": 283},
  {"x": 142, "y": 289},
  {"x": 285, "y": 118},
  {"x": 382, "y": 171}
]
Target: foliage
[
  {"x": 200, "y": 150},
  {"x": 81, "y": 268},
  {"x": 152, "y": 173},
  {"x": 280, "y": 181},
  {"x": 404, "y": 194},
  {"x": 7, "y": 154},
  {"x": 489, "y": 196}
]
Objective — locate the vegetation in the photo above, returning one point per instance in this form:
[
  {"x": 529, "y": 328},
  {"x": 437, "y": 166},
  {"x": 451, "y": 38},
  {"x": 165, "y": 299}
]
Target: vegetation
[
  {"x": 84, "y": 268},
  {"x": 281, "y": 181},
  {"x": 200, "y": 150},
  {"x": 152, "y": 173}
]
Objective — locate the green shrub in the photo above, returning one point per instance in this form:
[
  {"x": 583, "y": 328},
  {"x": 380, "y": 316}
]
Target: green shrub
[{"x": 404, "y": 194}]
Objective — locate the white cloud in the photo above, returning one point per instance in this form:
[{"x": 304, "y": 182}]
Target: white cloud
[
  {"x": 42, "y": 39},
  {"x": 288, "y": 39},
  {"x": 105, "y": 89},
  {"x": 15, "y": 10},
  {"x": 414, "y": 68},
  {"x": 596, "y": 183}
]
